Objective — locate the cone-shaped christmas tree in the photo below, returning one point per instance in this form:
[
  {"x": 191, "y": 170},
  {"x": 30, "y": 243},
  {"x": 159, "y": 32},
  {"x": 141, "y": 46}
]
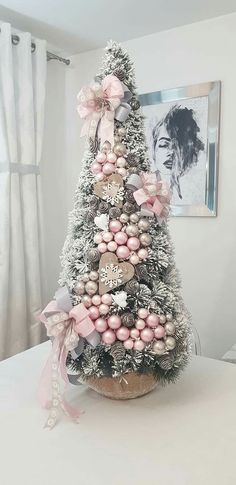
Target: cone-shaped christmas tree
[{"x": 128, "y": 327}]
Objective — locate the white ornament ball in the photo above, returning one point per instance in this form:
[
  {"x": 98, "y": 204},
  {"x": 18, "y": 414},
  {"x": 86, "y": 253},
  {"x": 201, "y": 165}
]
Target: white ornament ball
[
  {"x": 134, "y": 259},
  {"x": 169, "y": 317},
  {"x": 80, "y": 288},
  {"x": 145, "y": 239},
  {"x": 85, "y": 277},
  {"x": 121, "y": 162}
]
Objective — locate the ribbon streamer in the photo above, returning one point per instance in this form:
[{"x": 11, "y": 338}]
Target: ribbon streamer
[
  {"x": 152, "y": 195},
  {"x": 68, "y": 326},
  {"x": 100, "y": 104}
]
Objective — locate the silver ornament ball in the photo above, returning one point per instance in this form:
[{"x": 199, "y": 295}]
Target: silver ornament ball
[
  {"x": 158, "y": 347},
  {"x": 119, "y": 149},
  {"x": 93, "y": 275},
  {"x": 145, "y": 239},
  {"x": 134, "y": 217},
  {"x": 170, "y": 328},
  {"x": 170, "y": 343},
  {"x": 87, "y": 301},
  {"x": 121, "y": 131},
  {"x": 132, "y": 230},
  {"x": 116, "y": 139},
  {"x": 106, "y": 147},
  {"x": 80, "y": 288},
  {"x": 124, "y": 218},
  {"x": 162, "y": 319},
  {"x": 169, "y": 317},
  {"x": 144, "y": 224},
  {"x": 91, "y": 288},
  {"x": 85, "y": 277}
]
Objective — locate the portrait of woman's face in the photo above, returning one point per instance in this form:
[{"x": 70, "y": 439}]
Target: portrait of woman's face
[
  {"x": 176, "y": 146},
  {"x": 163, "y": 152}
]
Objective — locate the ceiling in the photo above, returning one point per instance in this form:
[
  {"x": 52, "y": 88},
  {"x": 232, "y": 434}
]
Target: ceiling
[{"x": 78, "y": 25}]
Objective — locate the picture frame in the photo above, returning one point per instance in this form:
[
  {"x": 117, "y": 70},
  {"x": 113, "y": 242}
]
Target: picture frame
[{"x": 182, "y": 128}]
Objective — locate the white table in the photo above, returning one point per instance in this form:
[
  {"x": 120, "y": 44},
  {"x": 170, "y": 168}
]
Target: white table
[{"x": 184, "y": 434}]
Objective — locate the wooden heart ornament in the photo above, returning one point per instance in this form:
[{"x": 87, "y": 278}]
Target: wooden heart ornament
[
  {"x": 111, "y": 189},
  {"x": 112, "y": 273}
]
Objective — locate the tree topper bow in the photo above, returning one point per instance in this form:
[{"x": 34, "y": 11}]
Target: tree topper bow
[{"x": 99, "y": 104}]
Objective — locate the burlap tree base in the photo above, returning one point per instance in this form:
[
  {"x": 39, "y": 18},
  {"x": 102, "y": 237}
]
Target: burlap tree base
[{"x": 129, "y": 386}]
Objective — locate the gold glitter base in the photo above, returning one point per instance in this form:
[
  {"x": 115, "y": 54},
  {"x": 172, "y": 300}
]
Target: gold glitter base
[{"x": 129, "y": 386}]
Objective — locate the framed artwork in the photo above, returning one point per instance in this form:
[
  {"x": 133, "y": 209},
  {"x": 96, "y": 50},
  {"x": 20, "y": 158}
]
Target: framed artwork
[{"x": 182, "y": 133}]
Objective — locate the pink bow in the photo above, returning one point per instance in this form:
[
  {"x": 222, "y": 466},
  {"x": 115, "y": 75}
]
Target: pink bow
[
  {"x": 152, "y": 195},
  {"x": 98, "y": 102},
  {"x": 66, "y": 324}
]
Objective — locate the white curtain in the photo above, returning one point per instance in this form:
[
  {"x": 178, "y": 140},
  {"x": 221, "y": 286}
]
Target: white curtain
[{"x": 22, "y": 100}]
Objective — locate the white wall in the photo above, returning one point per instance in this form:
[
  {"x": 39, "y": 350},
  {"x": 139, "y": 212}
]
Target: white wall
[{"x": 205, "y": 247}]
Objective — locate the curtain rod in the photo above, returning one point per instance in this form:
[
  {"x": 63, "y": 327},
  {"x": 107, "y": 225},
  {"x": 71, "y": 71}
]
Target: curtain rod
[{"x": 50, "y": 56}]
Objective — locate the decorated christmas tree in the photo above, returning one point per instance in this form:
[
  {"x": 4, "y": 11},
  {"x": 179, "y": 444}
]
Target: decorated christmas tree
[{"x": 118, "y": 320}]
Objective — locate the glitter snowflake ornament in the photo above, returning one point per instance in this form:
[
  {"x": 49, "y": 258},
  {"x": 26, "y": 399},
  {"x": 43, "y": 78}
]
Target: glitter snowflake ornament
[{"x": 111, "y": 275}]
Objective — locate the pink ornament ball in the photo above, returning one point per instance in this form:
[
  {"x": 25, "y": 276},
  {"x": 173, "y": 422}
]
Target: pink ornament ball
[
  {"x": 122, "y": 333},
  {"x": 133, "y": 243},
  {"x": 121, "y": 238},
  {"x": 109, "y": 337},
  {"x": 96, "y": 300},
  {"x": 159, "y": 332},
  {"x": 114, "y": 321},
  {"x": 112, "y": 246},
  {"x": 152, "y": 320},
  {"x": 139, "y": 345},
  {"x": 111, "y": 157},
  {"x": 121, "y": 162},
  {"x": 103, "y": 309},
  {"x": 143, "y": 313},
  {"x": 101, "y": 157},
  {"x": 140, "y": 324},
  {"x": 100, "y": 176},
  {"x": 115, "y": 226},
  {"x": 147, "y": 335},
  {"x": 101, "y": 325},
  {"x": 94, "y": 312},
  {"x": 107, "y": 299},
  {"x": 128, "y": 344},
  {"x": 98, "y": 238},
  {"x": 134, "y": 333},
  {"x": 122, "y": 172},
  {"x": 107, "y": 236},
  {"x": 102, "y": 247},
  {"x": 122, "y": 252},
  {"x": 143, "y": 253},
  {"x": 108, "y": 168},
  {"x": 96, "y": 167}
]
